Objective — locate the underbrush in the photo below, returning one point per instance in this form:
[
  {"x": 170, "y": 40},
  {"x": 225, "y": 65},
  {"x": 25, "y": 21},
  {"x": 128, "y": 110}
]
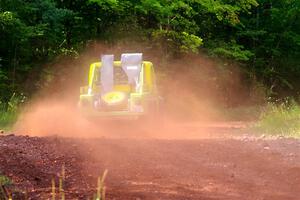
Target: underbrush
[
  {"x": 9, "y": 110},
  {"x": 282, "y": 119}
]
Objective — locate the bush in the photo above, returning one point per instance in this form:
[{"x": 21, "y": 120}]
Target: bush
[
  {"x": 282, "y": 119},
  {"x": 9, "y": 110}
]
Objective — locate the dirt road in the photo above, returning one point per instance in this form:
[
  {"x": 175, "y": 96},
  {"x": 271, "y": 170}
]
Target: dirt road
[{"x": 138, "y": 169}]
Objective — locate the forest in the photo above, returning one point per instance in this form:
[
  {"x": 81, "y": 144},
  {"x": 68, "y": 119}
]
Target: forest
[
  {"x": 215, "y": 114},
  {"x": 262, "y": 37}
]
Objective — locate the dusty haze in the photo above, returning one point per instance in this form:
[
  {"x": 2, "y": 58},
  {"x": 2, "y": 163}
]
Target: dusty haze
[{"x": 191, "y": 86}]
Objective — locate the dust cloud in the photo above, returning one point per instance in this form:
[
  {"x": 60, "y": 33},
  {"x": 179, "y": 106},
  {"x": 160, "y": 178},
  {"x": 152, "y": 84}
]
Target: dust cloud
[
  {"x": 193, "y": 87},
  {"x": 44, "y": 118}
]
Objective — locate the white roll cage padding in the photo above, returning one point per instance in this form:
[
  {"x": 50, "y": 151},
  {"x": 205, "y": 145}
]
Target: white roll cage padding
[
  {"x": 132, "y": 63},
  {"x": 107, "y": 73}
]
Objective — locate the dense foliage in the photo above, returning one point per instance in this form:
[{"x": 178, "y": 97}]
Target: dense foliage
[{"x": 263, "y": 36}]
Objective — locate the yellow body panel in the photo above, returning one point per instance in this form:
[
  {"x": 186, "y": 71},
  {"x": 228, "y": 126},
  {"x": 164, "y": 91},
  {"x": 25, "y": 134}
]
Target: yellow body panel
[{"x": 148, "y": 75}]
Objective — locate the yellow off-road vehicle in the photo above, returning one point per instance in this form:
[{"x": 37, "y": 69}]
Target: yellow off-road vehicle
[{"x": 121, "y": 89}]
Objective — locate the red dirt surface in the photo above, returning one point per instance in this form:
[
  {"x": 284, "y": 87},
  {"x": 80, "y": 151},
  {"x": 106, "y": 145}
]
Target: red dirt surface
[{"x": 245, "y": 168}]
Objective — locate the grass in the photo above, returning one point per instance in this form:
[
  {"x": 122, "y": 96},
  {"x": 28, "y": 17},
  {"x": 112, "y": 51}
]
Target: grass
[
  {"x": 9, "y": 111},
  {"x": 282, "y": 119},
  {"x": 60, "y": 194},
  {"x": 56, "y": 193},
  {"x": 4, "y": 181}
]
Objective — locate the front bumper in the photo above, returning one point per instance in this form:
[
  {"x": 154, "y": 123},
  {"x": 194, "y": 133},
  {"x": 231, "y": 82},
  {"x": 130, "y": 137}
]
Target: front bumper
[
  {"x": 132, "y": 110},
  {"x": 111, "y": 115}
]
